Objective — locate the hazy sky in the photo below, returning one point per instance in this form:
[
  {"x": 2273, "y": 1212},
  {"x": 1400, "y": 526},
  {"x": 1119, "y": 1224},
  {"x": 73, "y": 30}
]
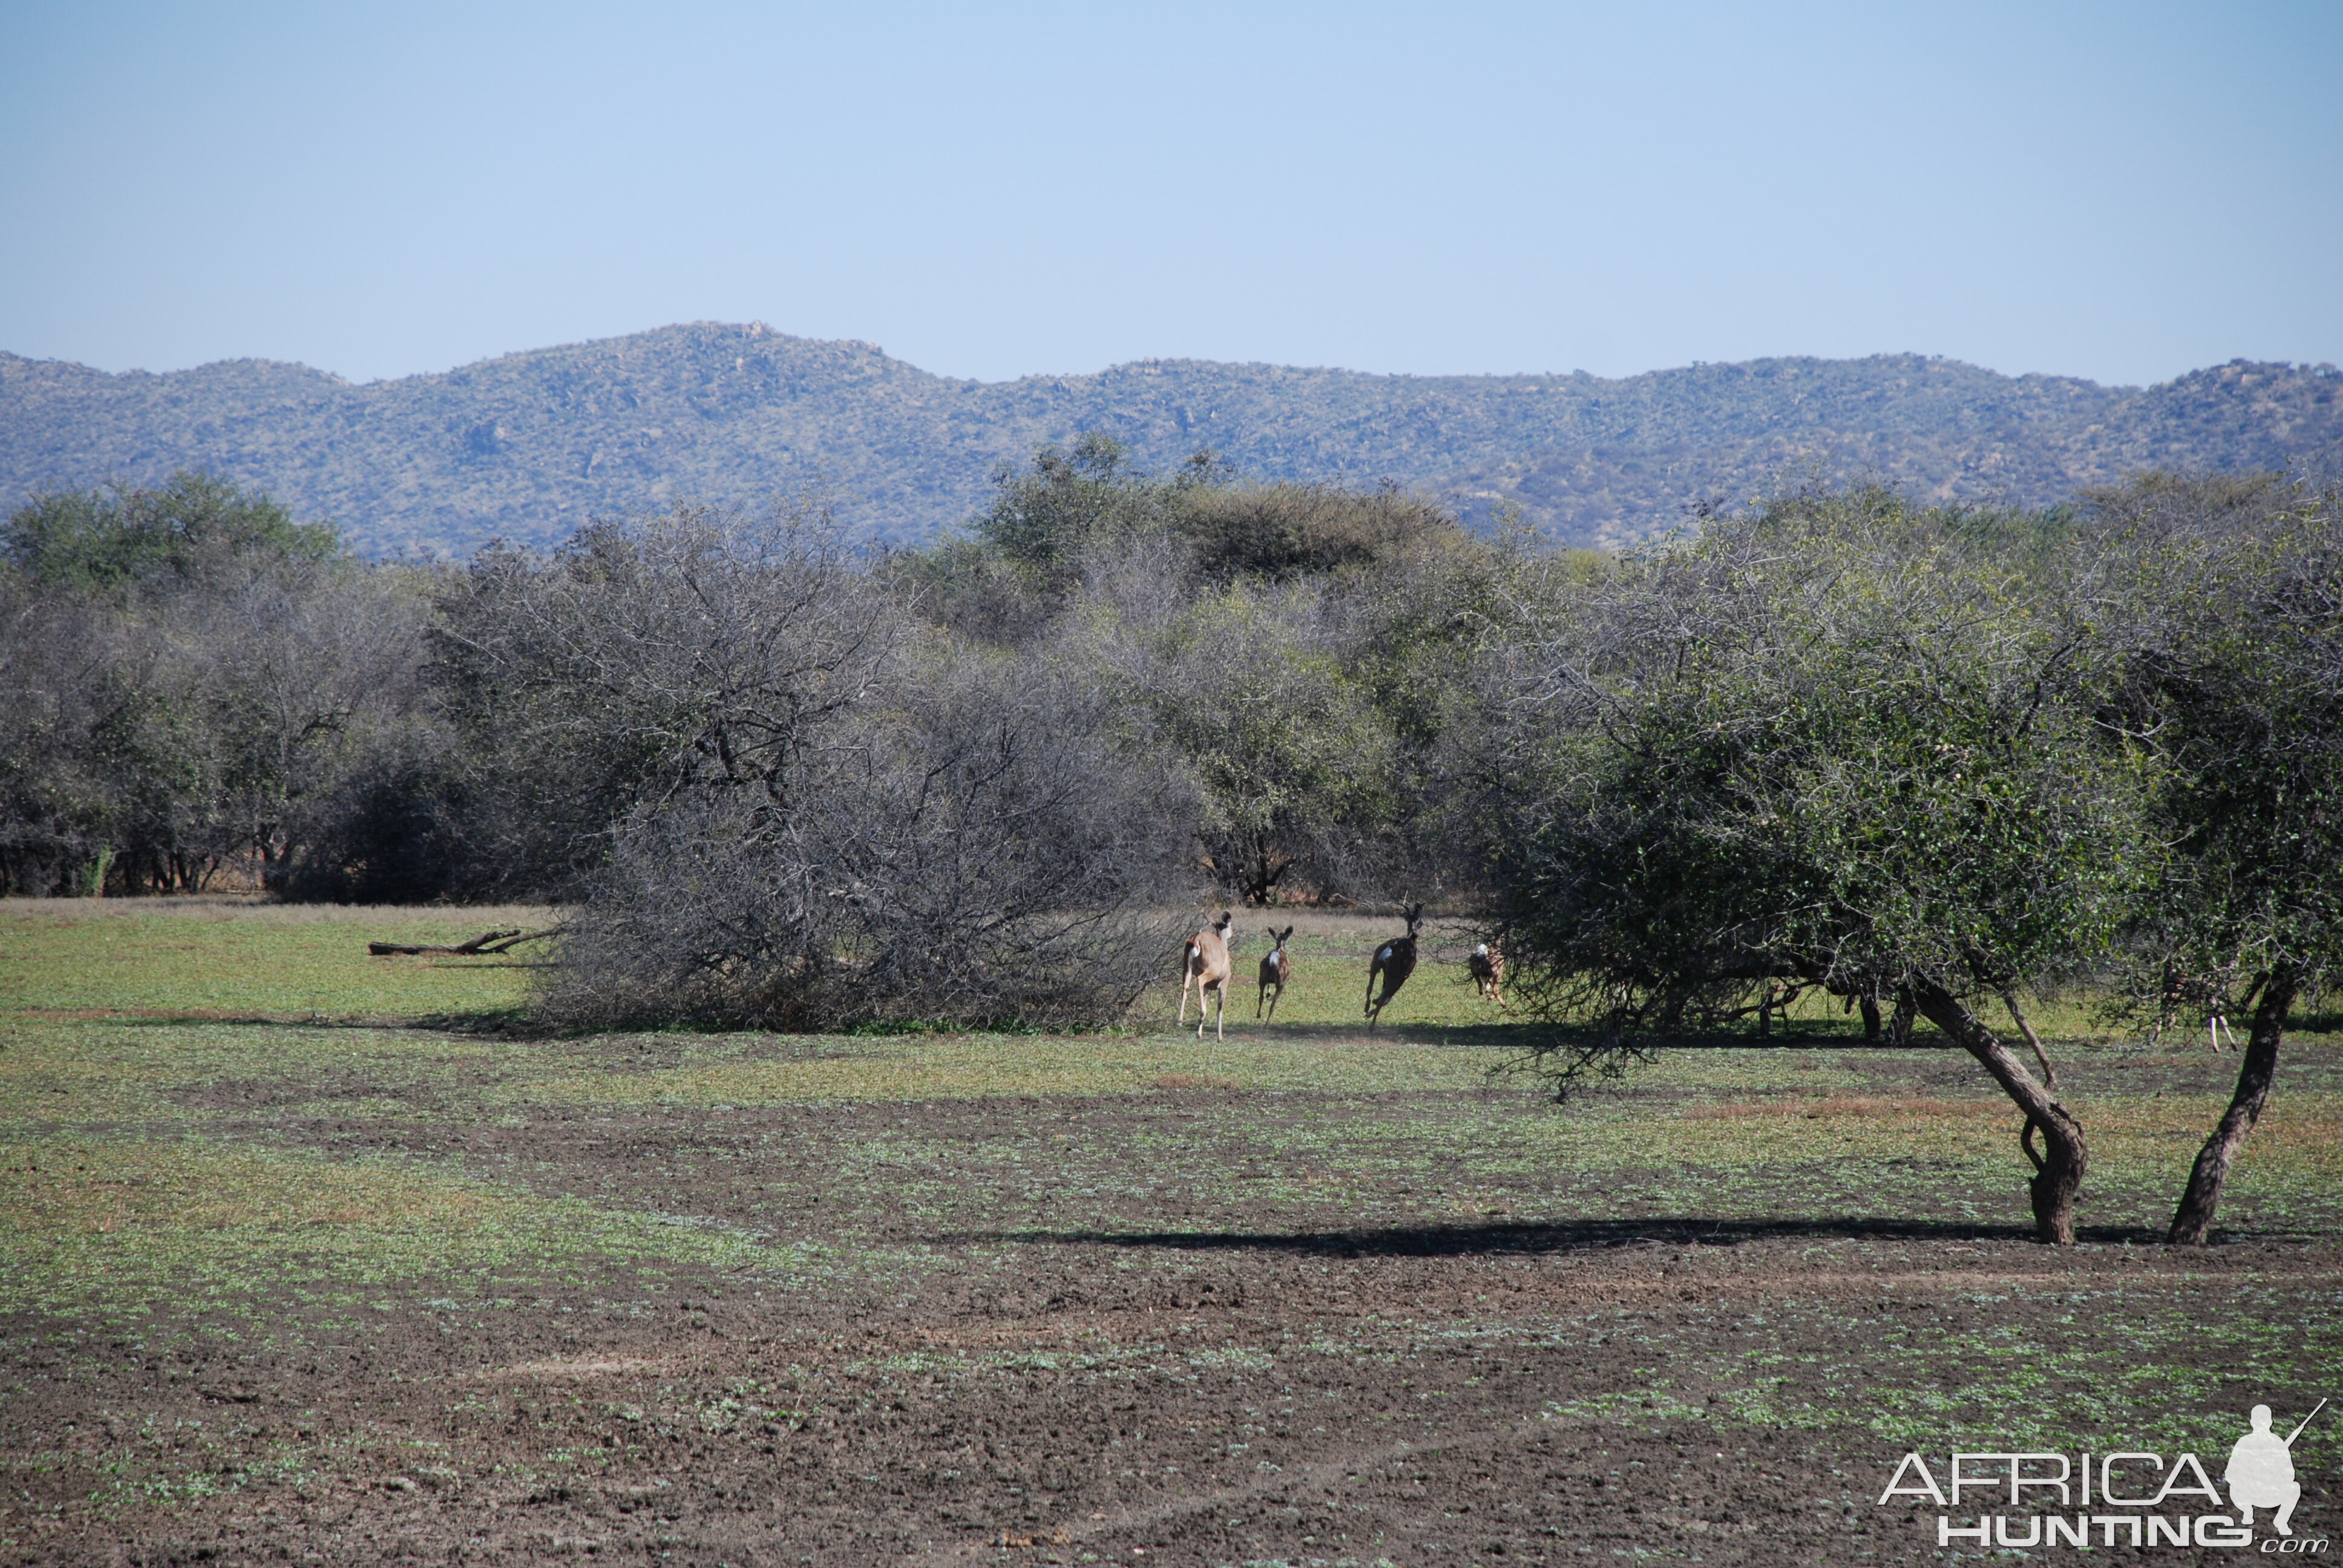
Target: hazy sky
[{"x": 2123, "y": 191}]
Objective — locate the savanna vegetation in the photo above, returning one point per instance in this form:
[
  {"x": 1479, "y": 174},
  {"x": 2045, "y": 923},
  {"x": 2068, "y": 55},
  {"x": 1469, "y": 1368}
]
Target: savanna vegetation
[
  {"x": 1924, "y": 762},
  {"x": 833, "y": 1186}
]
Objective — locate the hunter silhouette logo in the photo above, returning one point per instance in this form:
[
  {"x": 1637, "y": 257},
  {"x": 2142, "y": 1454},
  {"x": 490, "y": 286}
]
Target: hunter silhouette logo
[
  {"x": 2126, "y": 1497},
  {"x": 2261, "y": 1471}
]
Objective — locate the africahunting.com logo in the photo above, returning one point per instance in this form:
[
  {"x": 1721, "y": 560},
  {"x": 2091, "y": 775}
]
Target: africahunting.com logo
[{"x": 2125, "y": 1498}]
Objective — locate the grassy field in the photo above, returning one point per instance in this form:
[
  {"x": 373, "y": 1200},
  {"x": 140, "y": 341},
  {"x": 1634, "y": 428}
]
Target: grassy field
[{"x": 302, "y": 1253}]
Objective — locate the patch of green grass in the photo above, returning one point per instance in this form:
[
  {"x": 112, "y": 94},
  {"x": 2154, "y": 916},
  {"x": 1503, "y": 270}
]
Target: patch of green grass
[
  {"x": 127, "y": 1221},
  {"x": 106, "y": 1058},
  {"x": 82, "y": 1071},
  {"x": 225, "y": 959}
]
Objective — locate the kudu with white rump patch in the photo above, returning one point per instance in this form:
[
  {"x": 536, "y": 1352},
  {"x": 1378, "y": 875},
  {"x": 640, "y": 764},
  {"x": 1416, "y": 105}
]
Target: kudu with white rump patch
[
  {"x": 1276, "y": 968},
  {"x": 1488, "y": 965},
  {"x": 1205, "y": 965},
  {"x": 1394, "y": 961}
]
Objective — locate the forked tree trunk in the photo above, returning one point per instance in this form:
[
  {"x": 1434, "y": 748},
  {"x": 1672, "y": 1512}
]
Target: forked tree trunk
[
  {"x": 2058, "y": 1168},
  {"x": 2192, "y": 1222}
]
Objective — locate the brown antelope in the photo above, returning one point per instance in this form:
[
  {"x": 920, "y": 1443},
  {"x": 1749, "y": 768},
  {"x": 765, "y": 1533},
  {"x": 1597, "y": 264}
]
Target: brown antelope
[
  {"x": 1395, "y": 960},
  {"x": 1488, "y": 965},
  {"x": 1276, "y": 968},
  {"x": 1205, "y": 965}
]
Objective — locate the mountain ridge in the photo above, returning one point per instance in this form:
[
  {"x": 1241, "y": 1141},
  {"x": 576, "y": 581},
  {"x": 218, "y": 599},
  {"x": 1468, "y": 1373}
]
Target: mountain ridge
[{"x": 526, "y": 445}]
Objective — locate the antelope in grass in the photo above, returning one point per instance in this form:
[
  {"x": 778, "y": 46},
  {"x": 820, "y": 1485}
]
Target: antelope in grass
[
  {"x": 1276, "y": 968},
  {"x": 1395, "y": 960},
  {"x": 1205, "y": 965},
  {"x": 1488, "y": 965}
]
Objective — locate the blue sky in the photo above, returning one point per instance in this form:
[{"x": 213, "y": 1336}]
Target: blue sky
[{"x": 2118, "y": 191}]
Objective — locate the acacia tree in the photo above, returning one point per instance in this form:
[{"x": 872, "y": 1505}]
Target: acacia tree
[
  {"x": 2237, "y": 682},
  {"x": 972, "y": 847},
  {"x": 113, "y": 537},
  {"x": 63, "y": 803},
  {"x": 698, "y": 650},
  {"x": 1252, "y": 688},
  {"x": 781, "y": 804},
  {"x": 1840, "y": 744},
  {"x": 1295, "y": 649},
  {"x": 194, "y": 675},
  {"x": 295, "y": 671}
]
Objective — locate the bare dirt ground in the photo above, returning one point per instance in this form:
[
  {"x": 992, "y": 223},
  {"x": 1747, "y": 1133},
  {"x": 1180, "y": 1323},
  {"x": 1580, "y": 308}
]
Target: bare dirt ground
[
  {"x": 286, "y": 1291},
  {"x": 1196, "y": 1382}
]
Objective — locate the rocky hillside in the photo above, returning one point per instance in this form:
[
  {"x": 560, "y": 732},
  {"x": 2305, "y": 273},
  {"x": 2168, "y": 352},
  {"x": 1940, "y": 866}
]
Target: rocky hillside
[{"x": 529, "y": 446}]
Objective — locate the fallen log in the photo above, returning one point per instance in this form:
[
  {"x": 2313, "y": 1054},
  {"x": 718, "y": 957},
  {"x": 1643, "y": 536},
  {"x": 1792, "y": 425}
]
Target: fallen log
[{"x": 485, "y": 943}]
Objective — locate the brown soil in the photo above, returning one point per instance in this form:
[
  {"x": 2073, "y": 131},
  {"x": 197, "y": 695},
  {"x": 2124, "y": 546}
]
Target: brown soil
[{"x": 1068, "y": 1379}]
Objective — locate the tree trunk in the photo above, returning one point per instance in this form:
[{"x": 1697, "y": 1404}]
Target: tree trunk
[
  {"x": 1871, "y": 1029},
  {"x": 2192, "y": 1222},
  {"x": 486, "y": 942},
  {"x": 1260, "y": 879},
  {"x": 2058, "y": 1168}
]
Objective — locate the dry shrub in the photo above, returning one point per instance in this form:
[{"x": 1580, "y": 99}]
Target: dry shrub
[{"x": 977, "y": 851}]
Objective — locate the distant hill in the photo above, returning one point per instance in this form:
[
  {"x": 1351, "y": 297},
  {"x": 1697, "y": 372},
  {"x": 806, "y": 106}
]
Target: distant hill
[{"x": 529, "y": 446}]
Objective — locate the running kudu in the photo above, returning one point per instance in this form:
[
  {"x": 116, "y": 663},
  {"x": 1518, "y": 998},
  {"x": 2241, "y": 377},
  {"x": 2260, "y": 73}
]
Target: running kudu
[
  {"x": 1204, "y": 964},
  {"x": 1276, "y": 968},
  {"x": 1394, "y": 961},
  {"x": 1488, "y": 965}
]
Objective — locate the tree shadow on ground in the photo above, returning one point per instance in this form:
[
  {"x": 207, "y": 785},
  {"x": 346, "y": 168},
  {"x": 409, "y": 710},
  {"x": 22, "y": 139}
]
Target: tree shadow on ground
[
  {"x": 1526, "y": 1037},
  {"x": 1570, "y": 1236},
  {"x": 1513, "y": 1036}
]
